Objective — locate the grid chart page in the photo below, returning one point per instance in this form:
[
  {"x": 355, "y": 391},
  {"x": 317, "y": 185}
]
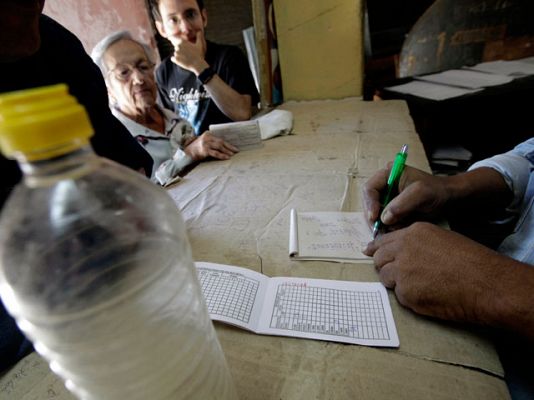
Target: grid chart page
[
  {"x": 354, "y": 314},
  {"x": 228, "y": 294}
]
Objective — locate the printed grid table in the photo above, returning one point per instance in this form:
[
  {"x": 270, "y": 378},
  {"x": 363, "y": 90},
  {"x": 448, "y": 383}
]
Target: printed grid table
[
  {"x": 330, "y": 311},
  {"x": 228, "y": 295}
]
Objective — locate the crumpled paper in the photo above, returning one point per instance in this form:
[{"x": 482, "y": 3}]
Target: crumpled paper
[{"x": 274, "y": 123}]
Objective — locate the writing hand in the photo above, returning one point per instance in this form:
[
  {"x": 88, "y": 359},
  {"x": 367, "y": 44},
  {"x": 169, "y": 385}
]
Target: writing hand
[{"x": 419, "y": 193}]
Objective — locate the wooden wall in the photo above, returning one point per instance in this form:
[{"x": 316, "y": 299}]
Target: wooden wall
[{"x": 320, "y": 45}]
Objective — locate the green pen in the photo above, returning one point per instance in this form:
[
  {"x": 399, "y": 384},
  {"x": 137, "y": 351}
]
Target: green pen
[{"x": 393, "y": 180}]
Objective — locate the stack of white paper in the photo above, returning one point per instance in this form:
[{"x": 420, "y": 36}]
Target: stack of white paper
[
  {"x": 458, "y": 82},
  {"x": 432, "y": 91},
  {"x": 466, "y": 78},
  {"x": 511, "y": 68}
]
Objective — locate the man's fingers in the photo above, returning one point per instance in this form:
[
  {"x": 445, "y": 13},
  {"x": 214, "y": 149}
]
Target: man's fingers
[
  {"x": 407, "y": 202},
  {"x": 199, "y": 39},
  {"x": 211, "y": 146},
  {"x": 230, "y": 147},
  {"x": 371, "y": 194},
  {"x": 370, "y": 249},
  {"x": 382, "y": 249},
  {"x": 218, "y": 154},
  {"x": 387, "y": 275},
  {"x": 220, "y": 149}
]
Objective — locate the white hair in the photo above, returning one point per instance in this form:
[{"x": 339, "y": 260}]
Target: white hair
[{"x": 101, "y": 47}]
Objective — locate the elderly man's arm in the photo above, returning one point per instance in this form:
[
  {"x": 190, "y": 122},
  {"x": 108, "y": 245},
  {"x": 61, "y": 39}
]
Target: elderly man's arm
[{"x": 440, "y": 273}]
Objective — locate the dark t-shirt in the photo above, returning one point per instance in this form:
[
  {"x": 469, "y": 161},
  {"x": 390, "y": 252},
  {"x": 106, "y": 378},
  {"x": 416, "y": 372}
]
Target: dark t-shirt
[
  {"x": 181, "y": 91},
  {"x": 62, "y": 59}
]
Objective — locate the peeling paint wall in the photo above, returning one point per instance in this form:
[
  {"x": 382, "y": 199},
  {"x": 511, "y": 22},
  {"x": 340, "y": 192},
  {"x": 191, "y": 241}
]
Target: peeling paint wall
[
  {"x": 321, "y": 48},
  {"x": 91, "y": 20}
]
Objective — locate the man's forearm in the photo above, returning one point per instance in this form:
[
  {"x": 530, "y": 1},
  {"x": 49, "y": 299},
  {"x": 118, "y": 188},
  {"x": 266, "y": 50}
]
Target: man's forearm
[
  {"x": 510, "y": 305},
  {"x": 234, "y": 105},
  {"x": 480, "y": 187}
]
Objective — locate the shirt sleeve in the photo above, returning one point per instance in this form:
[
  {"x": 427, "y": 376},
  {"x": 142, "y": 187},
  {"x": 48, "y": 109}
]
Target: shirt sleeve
[
  {"x": 168, "y": 171},
  {"x": 515, "y": 167}
]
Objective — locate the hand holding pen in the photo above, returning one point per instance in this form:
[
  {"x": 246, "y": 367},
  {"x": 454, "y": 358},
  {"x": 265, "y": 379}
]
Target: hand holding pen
[{"x": 392, "y": 183}]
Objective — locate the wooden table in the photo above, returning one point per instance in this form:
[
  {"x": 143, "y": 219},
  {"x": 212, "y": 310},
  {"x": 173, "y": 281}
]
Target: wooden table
[{"x": 237, "y": 213}]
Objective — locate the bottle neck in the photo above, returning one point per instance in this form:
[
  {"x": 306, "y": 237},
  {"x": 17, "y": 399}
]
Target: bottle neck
[{"x": 70, "y": 165}]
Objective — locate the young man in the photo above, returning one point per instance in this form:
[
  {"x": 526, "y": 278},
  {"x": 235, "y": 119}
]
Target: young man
[{"x": 203, "y": 82}]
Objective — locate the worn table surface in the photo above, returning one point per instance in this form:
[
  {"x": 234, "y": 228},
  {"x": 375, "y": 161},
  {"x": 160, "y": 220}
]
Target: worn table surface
[{"x": 237, "y": 213}]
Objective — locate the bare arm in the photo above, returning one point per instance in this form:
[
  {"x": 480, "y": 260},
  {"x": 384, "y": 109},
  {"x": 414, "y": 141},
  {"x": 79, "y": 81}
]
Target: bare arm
[
  {"x": 425, "y": 194},
  {"x": 440, "y": 273},
  {"x": 234, "y": 105}
]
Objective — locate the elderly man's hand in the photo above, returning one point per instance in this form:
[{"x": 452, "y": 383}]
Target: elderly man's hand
[
  {"x": 419, "y": 194},
  {"x": 439, "y": 273},
  {"x": 207, "y": 145}
]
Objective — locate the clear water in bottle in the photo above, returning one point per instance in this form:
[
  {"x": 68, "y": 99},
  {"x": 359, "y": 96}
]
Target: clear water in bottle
[{"x": 96, "y": 268}]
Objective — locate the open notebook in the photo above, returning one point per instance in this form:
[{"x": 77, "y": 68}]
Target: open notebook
[
  {"x": 339, "y": 311},
  {"x": 328, "y": 236}
]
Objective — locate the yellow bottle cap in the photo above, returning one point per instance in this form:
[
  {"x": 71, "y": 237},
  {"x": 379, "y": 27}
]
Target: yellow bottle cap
[{"x": 42, "y": 123}]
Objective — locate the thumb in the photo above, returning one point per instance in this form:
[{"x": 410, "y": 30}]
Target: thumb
[
  {"x": 406, "y": 203},
  {"x": 200, "y": 42}
]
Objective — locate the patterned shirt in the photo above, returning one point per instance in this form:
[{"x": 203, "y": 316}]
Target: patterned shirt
[{"x": 165, "y": 149}]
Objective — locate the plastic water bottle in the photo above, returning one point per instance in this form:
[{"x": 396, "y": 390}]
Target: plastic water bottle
[{"x": 96, "y": 267}]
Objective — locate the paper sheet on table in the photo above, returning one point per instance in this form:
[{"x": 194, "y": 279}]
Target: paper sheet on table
[
  {"x": 451, "y": 152},
  {"x": 328, "y": 236},
  {"x": 466, "y": 78},
  {"x": 338, "y": 311},
  {"x": 515, "y": 68},
  {"x": 432, "y": 91},
  {"x": 244, "y": 135}
]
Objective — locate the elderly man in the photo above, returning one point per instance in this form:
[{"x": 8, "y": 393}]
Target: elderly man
[
  {"x": 37, "y": 51},
  {"x": 128, "y": 70},
  {"x": 204, "y": 82}
]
